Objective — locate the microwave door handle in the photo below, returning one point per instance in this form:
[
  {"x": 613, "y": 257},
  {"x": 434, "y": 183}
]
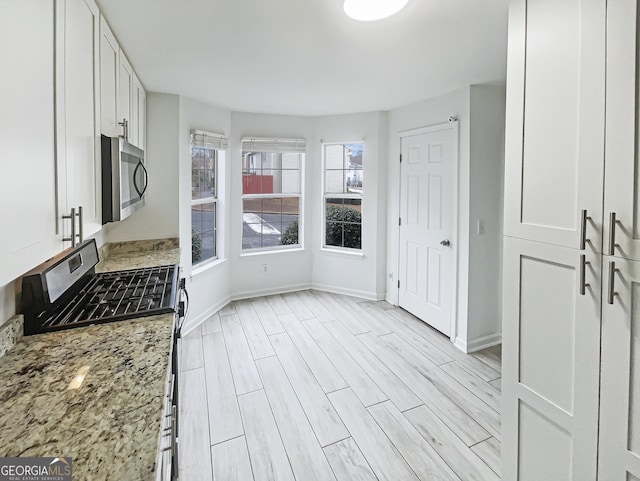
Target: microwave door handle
[
  {"x": 135, "y": 184},
  {"x": 146, "y": 178}
]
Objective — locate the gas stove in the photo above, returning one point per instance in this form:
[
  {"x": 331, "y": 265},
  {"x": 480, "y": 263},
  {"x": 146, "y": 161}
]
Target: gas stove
[{"x": 65, "y": 292}]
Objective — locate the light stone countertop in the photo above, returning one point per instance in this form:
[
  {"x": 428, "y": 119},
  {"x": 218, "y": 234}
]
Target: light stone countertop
[
  {"x": 137, "y": 254},
  {"x": 110, "y": 424}
]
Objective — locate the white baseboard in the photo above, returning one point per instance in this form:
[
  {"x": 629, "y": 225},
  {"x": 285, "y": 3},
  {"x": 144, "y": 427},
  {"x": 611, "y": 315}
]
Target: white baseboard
[
  {"x": 370, "y": 296},
  {"x": 479, "y": 343},
  {"x": 196, "y": 321},
  {"x": 393, "y": 302},
  {"x": 269, "y": 292}
]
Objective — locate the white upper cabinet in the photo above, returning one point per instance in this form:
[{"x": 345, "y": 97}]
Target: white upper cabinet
[
  {"x": 122, "y": 97},
  {"x": 555, "y": 112},
  {"x": 109, "y": 81},
  {"x": 622, "y": 175},
  {"x": 62, "y": 89},
  {"x": 138, "y": 121},
  {"x": 125, "y": 95},
  {"x": 78, "y": 112},
  {"x": 28, "y": 219}
]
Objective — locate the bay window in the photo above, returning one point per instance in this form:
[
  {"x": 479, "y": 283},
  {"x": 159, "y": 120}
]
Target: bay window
[
  {"x": 342, "y": 197},
  {"x": 207, "y": 151},
  {"x": 271, "y": 193}
]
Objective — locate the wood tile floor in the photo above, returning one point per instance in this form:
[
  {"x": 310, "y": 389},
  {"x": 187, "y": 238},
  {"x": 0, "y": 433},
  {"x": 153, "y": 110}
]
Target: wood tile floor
[{"x": 313, "y": 386}]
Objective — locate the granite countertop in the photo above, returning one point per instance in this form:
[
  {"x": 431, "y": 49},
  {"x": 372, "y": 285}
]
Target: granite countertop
[
  {"x": 133, "y": 255},
  {"x": 109, "y": 425}
]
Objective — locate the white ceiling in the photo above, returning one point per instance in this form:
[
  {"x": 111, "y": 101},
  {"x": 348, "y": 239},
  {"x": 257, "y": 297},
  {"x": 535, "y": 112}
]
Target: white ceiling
[{"x": 305, "y": 56}]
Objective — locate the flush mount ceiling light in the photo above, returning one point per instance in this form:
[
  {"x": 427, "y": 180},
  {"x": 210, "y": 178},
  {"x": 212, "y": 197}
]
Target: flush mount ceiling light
[{"x": 369, "y": 10}]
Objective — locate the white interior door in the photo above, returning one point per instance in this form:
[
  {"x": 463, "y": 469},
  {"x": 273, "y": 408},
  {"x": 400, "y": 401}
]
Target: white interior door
[
  {"x": 551, "y": 362},
  {"x": 428, "y": 190},
  {"x": 620, "y": 390}
]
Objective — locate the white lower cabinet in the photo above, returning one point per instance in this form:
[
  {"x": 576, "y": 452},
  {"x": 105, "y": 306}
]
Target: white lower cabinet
[
  {"x": 571, "y": 364},
  {"x": 620, "y": 390},
  {"x": 551, "y": 362}
]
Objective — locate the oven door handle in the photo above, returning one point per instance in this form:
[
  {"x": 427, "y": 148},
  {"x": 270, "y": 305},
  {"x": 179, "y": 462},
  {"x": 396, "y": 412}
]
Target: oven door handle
[{"x": 146, "y": 179}]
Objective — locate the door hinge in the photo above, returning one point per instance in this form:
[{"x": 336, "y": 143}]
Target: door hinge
[
  {"x": 400, "y": 158},
  {"x": 399, "y": 220},
  {"x": 398, "y": 283}
]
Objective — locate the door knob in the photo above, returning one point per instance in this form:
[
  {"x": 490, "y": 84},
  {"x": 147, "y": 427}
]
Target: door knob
[{"x": 445, "y": 243}]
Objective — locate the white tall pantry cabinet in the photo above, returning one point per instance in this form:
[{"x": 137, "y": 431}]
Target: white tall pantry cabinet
[{"x": 571, "y": 333}]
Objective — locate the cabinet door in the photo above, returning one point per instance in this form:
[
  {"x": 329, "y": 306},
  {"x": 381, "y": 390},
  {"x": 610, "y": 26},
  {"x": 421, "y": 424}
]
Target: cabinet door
[
  {"x": 620, "y": 391},
  {"x": 78, "y": 110},
  {"x": 622, "y": 196},
  {"x": 28, "y": 219},
  {"x": 551, "y": 350},
  {"x": 139, "y": 114},
  {"x": 125, "y": 91},
  {"x": 555, "y": 121},
  {"x": 109, "y": 81}
]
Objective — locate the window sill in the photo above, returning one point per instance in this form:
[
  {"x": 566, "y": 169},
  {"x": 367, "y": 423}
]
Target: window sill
[
  {"x": 205, "y": 266},
  {"x": 257, "y": 252},
  {"x": 348, "y": 252}
]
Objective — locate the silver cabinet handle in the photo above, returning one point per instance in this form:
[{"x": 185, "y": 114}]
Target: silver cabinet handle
[
  {"x": 612, "y": 279},
  {"x": 125, "y": 129},
  {"x": 612, "y": 233},
  {"x": 72, "y": 218},
  {"x": 80, "y": 228},
  {"x": 583, "y": 274},
  {"x": 583, "y": 229}
]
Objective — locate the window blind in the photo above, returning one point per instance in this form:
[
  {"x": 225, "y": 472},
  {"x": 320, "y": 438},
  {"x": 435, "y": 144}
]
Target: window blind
[
  {"x": 274, "y": 145},
  {"x": 200, "y": 138}
]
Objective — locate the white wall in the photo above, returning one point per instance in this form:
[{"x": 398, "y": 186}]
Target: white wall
[
  {"x": 7, "y": 302},
  {"x": 209, "y": 286},
  {"x": 373, "y": 274},
  {"x": 337, "y": 271},
  {"x": 430, "y": 112},
  {"x": 159, "y": 218},
  {"x": 285, "y": 269},
  {"x": 486, "y": 194},
  {"x": 480, "y": 112}
]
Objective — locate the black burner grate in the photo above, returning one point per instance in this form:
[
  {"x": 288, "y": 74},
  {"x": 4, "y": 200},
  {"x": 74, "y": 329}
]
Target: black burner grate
[{"x": 119, "y": 295}]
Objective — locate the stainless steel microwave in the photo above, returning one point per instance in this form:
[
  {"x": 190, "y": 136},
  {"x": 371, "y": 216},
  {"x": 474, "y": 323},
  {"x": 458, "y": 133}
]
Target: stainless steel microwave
[{"x": 124, "y": 179}]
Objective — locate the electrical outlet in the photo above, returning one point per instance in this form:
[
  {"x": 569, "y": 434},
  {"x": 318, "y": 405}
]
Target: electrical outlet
[{"x": 265, "y": 267}]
